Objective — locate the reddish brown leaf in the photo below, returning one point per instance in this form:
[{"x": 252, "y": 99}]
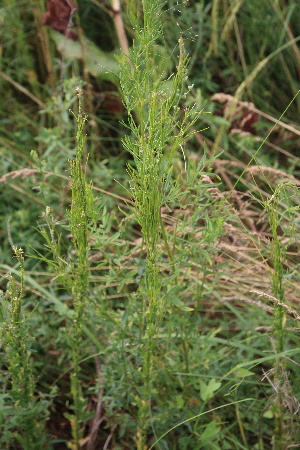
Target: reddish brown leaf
[{"x": 59, "y": 16}]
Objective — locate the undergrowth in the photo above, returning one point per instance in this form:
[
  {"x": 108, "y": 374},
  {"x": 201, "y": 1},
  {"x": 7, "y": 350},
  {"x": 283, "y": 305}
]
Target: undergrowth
[{"x": 153, "y": 299}]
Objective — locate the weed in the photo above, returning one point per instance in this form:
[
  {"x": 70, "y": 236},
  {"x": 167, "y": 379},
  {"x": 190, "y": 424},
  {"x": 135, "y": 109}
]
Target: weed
[{"x": 23, "y": 413}]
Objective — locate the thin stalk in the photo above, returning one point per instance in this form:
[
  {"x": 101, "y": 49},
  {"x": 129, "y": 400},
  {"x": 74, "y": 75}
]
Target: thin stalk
[
  {"x": 79, "y": 225},
  {"x": 278, "y": 256}
]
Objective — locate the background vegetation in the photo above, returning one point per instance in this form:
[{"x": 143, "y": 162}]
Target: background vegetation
[{"x": 149, "y": 270}]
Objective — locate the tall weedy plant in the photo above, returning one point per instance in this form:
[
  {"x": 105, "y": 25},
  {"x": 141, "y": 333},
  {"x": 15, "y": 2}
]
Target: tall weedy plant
[
  {"x": 23, "y": 415},
  {"x": 157, "y": 133},
  {"x": 73, "y": 274},
  {"x": 281, "y": 198},
  {"x": 79, "y": 218}
]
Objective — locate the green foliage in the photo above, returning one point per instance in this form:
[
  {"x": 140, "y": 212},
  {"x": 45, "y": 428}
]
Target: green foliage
[
  {"x": 285, "y": 193},
  {"x": 142, "y": 318},
  {"x": 23, "y": 414},
  {"x": 98, "y": 63},
  {"x": 157, "y": 134}
]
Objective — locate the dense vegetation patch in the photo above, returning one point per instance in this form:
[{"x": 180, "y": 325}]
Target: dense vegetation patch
[{"x": 149, "y": 224}]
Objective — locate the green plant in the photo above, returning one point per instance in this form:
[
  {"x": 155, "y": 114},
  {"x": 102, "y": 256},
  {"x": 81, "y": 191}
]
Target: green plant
[
  {"x": 282, "y": 197},
  {"x": 74, "y": 275},
  {"x": 24, "y": 414},
  {"x": 140, "y": 306},
  {"x": 157, "y": 135}
]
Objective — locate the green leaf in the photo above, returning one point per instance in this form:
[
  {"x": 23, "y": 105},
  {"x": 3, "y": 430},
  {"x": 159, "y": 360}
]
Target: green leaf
[
  {"x": 242, "y": 373},
  {"x": 181, "y": 305},
  {"x": 207, "y": 390},
  {"x": 100, "y": 64},
  {"x": 268, "y": 414},
  {"x": 210, "y": 432},
  {"x": 180, "y": 402}
]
